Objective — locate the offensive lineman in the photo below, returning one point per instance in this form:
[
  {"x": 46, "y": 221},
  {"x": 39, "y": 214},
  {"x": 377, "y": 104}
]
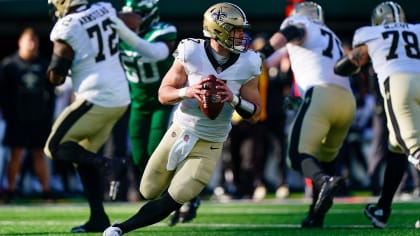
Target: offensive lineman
[
  {"x": 393, "y": 47},
  {"x": 86, "y": 45},
  {"x": 186, "y": 157},
  {"x": 328, "y": 106}
]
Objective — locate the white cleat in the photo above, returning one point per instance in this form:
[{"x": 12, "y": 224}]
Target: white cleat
[
  {"x": 112, "y": 231},
  {"x": 415, "y": 160}
]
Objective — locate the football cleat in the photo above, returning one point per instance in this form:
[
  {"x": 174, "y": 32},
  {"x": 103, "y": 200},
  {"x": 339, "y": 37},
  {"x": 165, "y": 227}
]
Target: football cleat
[
  {"x": 188, "y": 211},
  {"x": 326, "y": 194},
  {"x": 89, "y": 227},
  {"x": 112, "y": 231},
  {"x": 113, "y": 189},
  {"x": 377, "y": 215},
  {"x": 313, "y": 221},
  {"x": 173, "y": 218},
  {"x": 417, "y": 225},
  {"x": 115, "y": 168},
  {"x": 415, "y": 160}
]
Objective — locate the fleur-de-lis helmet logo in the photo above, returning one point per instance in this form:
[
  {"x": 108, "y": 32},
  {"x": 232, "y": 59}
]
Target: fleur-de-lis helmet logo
[{"x": 219, "y": 15}]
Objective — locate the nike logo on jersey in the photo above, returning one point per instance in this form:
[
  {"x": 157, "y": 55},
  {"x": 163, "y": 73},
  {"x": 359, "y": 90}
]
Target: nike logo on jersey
[{"x": 213, "y": 148}]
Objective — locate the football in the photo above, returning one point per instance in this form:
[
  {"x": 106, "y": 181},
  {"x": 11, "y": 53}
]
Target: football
[
  {"x": 132, "y": 20},
  {"x": 210, "y": 104}
]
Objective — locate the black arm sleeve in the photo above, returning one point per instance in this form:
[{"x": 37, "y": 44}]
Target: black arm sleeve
[
  {"x": 292, "y": 32},
  {"x": 59, "y": 65},
  {"x": 345, "y": 67},
  {"x": 267, "y": 50}
]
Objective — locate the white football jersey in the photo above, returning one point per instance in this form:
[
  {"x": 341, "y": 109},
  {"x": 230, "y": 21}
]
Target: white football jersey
[
  {"x": 96, "y": 71},
  {"x": 313, "y": 61},
  {"x": 193, "y": 54},
  {"x": 388, "y": 42}
]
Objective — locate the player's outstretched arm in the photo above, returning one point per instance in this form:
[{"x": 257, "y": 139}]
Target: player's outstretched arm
[
  {"x": 292, "y": 33},
  {"x": 156, "y": 51}
]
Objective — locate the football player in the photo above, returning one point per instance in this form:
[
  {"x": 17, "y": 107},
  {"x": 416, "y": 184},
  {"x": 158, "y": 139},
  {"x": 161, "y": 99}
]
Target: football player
[
  {"x": 186, "y": 157},
  {"x": 328, "y": 106},
  {"x": 145, "y": 65},
  {"x": 86, "y": 50},
  {"x": 393, "y": 47}
]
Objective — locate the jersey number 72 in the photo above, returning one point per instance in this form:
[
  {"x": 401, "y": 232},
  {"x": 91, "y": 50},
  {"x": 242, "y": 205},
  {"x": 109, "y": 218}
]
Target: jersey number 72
[{"x": 99, "y": 31}]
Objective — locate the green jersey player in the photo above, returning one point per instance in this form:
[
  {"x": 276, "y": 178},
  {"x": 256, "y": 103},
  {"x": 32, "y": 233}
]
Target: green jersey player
[{"x": 145, "y": 65}]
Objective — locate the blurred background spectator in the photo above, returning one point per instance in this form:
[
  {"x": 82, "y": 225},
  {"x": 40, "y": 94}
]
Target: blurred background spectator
[{"x": 27, "y": 102}]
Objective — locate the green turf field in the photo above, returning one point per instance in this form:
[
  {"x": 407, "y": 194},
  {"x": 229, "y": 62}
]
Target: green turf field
[{"x": 270, "y": 217}]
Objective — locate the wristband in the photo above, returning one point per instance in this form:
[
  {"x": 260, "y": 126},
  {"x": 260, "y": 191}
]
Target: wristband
[
  {"x": 235, "y": 101},
  {"x": 243, "y": 107},
  {"x": 182, "y": 93}
]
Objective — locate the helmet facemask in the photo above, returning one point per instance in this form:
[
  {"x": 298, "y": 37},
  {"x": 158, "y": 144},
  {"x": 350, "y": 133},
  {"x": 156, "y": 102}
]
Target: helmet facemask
[
  {"x": 388, "y": 12},
  {"x": 235, "y": 43},
  {"x": 147, "y": 9},
  {"x": 222, "y": 22},
  {"x": 311, "y": 10}
]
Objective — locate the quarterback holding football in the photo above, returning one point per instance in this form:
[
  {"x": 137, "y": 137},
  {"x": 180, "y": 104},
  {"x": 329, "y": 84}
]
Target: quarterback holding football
[{"x": 204, "y": 71}]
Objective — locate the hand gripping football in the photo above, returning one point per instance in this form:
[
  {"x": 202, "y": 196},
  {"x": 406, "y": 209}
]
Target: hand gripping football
[
  {"x": 210, "y": 103},
  {"x": 131, "y": 20}
]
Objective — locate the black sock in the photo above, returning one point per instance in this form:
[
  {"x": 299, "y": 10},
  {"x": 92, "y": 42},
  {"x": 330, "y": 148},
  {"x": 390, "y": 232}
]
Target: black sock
[
  {"x": 329, "y": 167},
  {"x": 395, "y": 167},
  {"x": 311, "y": 168},
  {"x": 152, "y": 212},
  {"x": 92, "y": 181}
]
